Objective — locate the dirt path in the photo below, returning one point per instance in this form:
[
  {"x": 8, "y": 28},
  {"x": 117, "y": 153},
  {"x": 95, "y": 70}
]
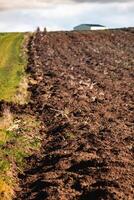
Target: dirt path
[{"x": 84, "y": 97}]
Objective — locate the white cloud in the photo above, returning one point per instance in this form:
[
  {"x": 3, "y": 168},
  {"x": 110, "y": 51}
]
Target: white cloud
[
  {"x": 65, "y": 16},
  {"x": 14, "y": 4}
]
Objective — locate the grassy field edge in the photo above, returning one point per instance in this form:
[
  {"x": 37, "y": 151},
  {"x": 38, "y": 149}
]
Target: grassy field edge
[
  {"x": 13, "y": 60},
  {"x": 19, "y": 132}
]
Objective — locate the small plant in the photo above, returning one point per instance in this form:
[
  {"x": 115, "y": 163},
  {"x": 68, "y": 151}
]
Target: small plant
[{"x": 70, "y": 135}]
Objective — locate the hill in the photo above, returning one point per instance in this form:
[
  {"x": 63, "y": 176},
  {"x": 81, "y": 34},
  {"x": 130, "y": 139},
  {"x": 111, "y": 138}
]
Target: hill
[{"x": 81, "y": 86}]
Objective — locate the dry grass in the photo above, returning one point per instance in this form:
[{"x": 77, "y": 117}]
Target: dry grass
[
  {"x": 6, "y": 120},
  {"x": 19, "y": 138},
  {"x": 22, "y": 95},
  {"x": 6, "y": 191}
]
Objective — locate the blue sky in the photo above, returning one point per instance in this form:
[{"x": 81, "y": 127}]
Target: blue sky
[{"x": 26, "y": 15}]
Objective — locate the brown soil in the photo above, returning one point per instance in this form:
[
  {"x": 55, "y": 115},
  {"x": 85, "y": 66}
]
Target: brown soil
[{"x": 83, "y": 94}]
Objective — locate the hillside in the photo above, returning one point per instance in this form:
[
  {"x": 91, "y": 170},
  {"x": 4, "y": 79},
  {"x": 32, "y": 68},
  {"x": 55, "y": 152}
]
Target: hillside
[
  {"x": 81, "y": 86},
  {"x": 84, "y": 97}
]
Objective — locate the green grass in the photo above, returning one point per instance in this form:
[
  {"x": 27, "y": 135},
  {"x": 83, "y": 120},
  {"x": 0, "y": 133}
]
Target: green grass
[
  {"x": 18, "y": 140},
  {"x": 12, "y": 64}
]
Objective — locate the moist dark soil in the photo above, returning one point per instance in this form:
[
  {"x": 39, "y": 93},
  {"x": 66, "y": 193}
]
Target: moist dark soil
[{"x": 83, "y": 94}]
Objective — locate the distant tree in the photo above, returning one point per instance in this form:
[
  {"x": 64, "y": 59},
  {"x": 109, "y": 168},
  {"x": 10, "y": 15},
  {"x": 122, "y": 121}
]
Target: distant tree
[
  {"x": 45, "y": 30},
  {"x": 38, "y": 29}
]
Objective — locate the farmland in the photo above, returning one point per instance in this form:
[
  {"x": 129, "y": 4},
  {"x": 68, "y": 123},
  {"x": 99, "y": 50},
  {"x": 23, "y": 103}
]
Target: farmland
[
  {"x": 84, "y": 97},
  {"x": 80, "y": 112}
]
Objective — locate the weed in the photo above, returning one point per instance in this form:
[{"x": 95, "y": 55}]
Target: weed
[{"x": 70, "y": 135}]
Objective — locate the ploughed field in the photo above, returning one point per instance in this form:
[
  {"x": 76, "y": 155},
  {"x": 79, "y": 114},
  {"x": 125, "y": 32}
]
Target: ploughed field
[{"x": 82, "y": 91}]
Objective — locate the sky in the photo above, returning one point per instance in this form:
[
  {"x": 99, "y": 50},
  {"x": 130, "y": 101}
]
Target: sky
[{"x": 27, "y": 15}]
